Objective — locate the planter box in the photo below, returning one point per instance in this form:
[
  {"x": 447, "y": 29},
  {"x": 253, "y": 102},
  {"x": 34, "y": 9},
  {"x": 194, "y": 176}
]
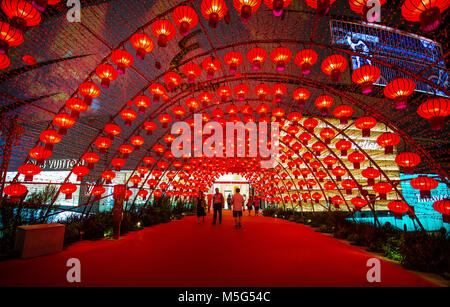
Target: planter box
[{"x": 39, "y": 240}]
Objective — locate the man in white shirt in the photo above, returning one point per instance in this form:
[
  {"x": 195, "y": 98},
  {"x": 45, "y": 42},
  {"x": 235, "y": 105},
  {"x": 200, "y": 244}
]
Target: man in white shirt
[
  {"x": 218, "y": 203},
  {"x": 237, "y": 203}
]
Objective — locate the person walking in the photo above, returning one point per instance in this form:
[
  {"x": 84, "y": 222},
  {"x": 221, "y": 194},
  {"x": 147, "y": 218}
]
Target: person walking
[
  {"x": 250, "y": 205},
  {"x": 256, "y": 205},
  {"x": 201, "y": 204},
  {"x": 229, "y": 201},
  {"x": 218, "y": 204},
  {"x": 237, "y": 203}
]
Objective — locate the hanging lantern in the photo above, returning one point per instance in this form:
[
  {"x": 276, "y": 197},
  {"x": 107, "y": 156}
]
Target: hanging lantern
[
  {"x": 172, "y": 80},
  {"x": 425, "y": 185},
  {"x": 125, "y": 149},
  {"x": 211, "y": 65},
  {"x": 106, "y": 73},
  {"x": 192, "y": 104},
  {"x": 408, "y": 160},
  {"x": 122, "y": 59},
  {"x": 343, "y": 146},
  {"x": 427, "y": 12},
  {"x": 40, "y": 154},
  {"x": 63, "y": 121},
  {"x": 142, "y": 102},
  {"x": 135, "y": 180},
  {"x": 150, "y": 127},
  {"x": 21, "y": 13},
  {"x": 295, "y": 117},
  {"x": 142, "y": 170},
  {"x": 192, "y": 71},
  {"x": 305, "y": 59},
  {"x": 337, "y": 201},
  {"x": 15, "y": 191},
  {"x": 164, "y": 30},
  {"x": 399, "y": 89},
  {"x": 108, "y": 176},
  {"x": 359, "y": 203},
  {"x": 334, "y": 66},
  {"x": 233, "y": 59},
  {"x": 158, "y": 193},
  {"x": 339, "y": 172},
  {"x": 300, "y": 95},
  {"x": 137, "y": 141},
  {"x": 4, "y": 61},
  {"x": 330, "y": 161},
  {"x": 143, "y": 194},
  {"x": 348, "y": 185},
  {"x": 213, "y": 10},
  {"x": 149, "y": 160},
  {"x": 89, "y": 90},
  {"x": 142, "y": 43},
  {"x": 80, "y": 171},
  {"x": 324, "y": 102},
  {"x": 327, "y": 134},
  {"x": 443, "y": 207},
  {"x": 112, "y": 130},
  {"x": 365, "y": 76},
  {"x": 241, "y": 90},
  {"x": 365, "y": 123},
  {"x": 128, "y": 115},
  {"x": 435, "y": 110},
  {"x": 223, "y": 92},
  {"x": 178, "y": 111},
  {"x": 257, "y": 56},
  {"x": 68, "y": 189},
  {"x": 382, "y": 188},
  {"x": 98, "y": 191},
  {"x": 261, "y": 90},
  {"x": 280, "y": 57},
  {"x": 246, "y": 7},
  {"x": 232, "y": 109},
  {"x": 399, "y": 208},
  {"x": 370, "y": 173},
  {"x": 356, "y": 158},
  {"x": 103, "y": 143},
  {"x": 159, "y": 149},
  {"x": 362, "y": 7},
  {"x": 388, "y": 140},
  {"x": 277, "y": 6},
  {"x": 158, "y": 91},
  {"x": 77, "y": 106},
  {"x": 185, "y": 18},
  {"x": 29, "y": 170},
  {"x": 50, "y": 137},
  {"x": 329, "y": 186},
  {"x": 310, "y": 124},
  {"x": 278, "y": 90},
  {"x": 343, "y": 112},
  {"x": 91, "y": 158},
  {"x": 9, "y": 37}
]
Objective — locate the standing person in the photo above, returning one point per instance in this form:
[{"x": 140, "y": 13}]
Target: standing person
[
  {"x": 229, "y": 201},
  {"x": 218, "y": 204},
  {"x": 250, "y": 205},
  {"x": 237, "y": 202},
  {"x": 256, "y": 205},
  {"x": 201, "y": 204}
]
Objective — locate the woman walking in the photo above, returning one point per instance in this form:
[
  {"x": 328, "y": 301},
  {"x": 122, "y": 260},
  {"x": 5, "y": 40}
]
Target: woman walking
[
  {"x": 250, "y": 205},
  {"x": 201, "y": 204}
]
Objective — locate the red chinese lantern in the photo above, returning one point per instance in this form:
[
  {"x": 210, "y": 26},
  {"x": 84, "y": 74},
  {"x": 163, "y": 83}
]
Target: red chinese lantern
[
  {"x": 223, "y": 92},
  {"x": 128, "y": 115},
  {"x": 343, "y": 112},
  {"x": 425, "y": 185},
  {"x": 185, "y": 18},
  {"x": 137, "y": 141},
  {"x": 21, "y": 13},
  {"x": 143, "y": 194},
  {"x": 330, "y": 161},
  {"x": 329, "y": 186},
  {"x": 241, "y": 90},
  {"x": 80, "y": 171},
  {"x": 150, "y": 127},
  {"x": 427, "y": 12},
  {"x": 322, "y": 6},
  {"x": 142, "y": 43},
  {"x": 334, "y": 66},
  {"x": 15, "y": 191},
  {"x": 339, "y": 172},
  {"x": 278, "y": 90},
  {"x": 310, "y": 124},
  {"x": 305, "y": 59},
  {"x": 382, "y": 188},
  {"x": 68, "y": 189},
  {"x": 388, "y": 140},
  {"x": 443, "y": 207},
  {"x": 98, "y": 191},
  {"x": 408, "y": 160},
  {"x": 399, "y": 89},
  {"x": 246, "y": 7},
  {"x": 178, "y": 111},
  {"x": 213, "y": 10},
  {"x": 159, "y": 149},
  {"x": 63, "y": 121},
  {"x": 365, "y": 123},
  {"x": 327, "y": 134},
  {"x": 280, "y": 57},
  {"x": 257, "y": 56},
  {"x": 233, "y": 59},
  {"x": 435, "y": 110},
  {"x": 50, "y": 138},
  {"x": 128, "y": 194},
  {"x": 295, "y": 117},
  {"x": 103, "y": 143},
  {"x": 172, "y": 80},
  {"x": 112, "y": 130},
  {"x": 365, "y": 76},
  {"x": 89, "y": 90},
  {"x": 359, "y": 203},
  {"x": 108, "y": 176},
  {"x": 4, "y": 61},
  {"x": 324, "y": 102},
  {"x": 277, "y": 6},
  {"x": 77, "y": 106},
  {"x": 321, "y": 175},
  {"x": 91, "y": 158},
  {"x": 370, "y": 173},
  {"x": 9, "y": 37},
  {"x": 106, "y": 73},
  {"x": 356, "y": 158},
  {"x": 211, "y": 65},
  {"x": 300, "y": 95},
  {"x": 126, "y": 149},
  {"x": 164, "y": 30},
  {"x": 40, "y": 154},
  {"x": 142, "y": 170},
  {"x": 157, "y": 193},
  {"x": 399, "y": 208},
  {"x": 142, "y": 102},
  {"x": 29, "y": 170},
  {"x": 348, "y": 185},
  {"x": 192, "y": 71},
  {"x": 122, "y": 59},
  {"x": 337, "y": 201},
  {"x": 261, "y": 90},
  {"x": 149, "y": 160},
  {"x": 165, "y": 119},
  {"x": 135, "y": 180}
]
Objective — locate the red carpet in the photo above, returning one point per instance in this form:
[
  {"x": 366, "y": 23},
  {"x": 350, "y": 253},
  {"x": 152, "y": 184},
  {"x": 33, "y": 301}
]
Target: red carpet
[{"x": 265, "y": 252}]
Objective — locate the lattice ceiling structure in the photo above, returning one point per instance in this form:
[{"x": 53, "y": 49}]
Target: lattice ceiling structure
[{"x": 41, "y": 92}]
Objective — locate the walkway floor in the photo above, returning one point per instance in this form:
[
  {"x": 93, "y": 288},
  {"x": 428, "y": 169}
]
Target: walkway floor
[{"x": 265, "y": 252}]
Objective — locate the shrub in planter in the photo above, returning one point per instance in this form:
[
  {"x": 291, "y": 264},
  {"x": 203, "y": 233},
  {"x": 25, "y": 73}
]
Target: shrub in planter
[
  {"x": 392, "y": 247},
  {"x": 356, "y": 239},
  {"x": 95, "y": 225},
  {"x": 269, "y": 212}
]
